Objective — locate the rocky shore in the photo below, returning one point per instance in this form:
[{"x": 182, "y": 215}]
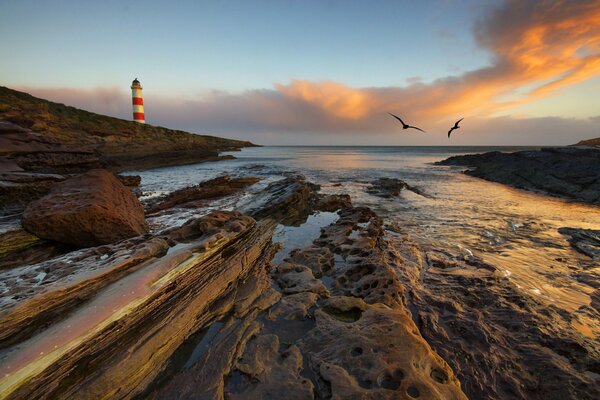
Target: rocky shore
[
  {"x": 42, "y": 142},
  {"x": 568, "y": 172},
  {"x": 217, "y": 308},
  {"x": 202, "y": 311}
]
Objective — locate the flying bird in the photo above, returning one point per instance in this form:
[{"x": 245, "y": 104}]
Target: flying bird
[
  {"x": 454, "y": 127},
  {"x": 405, "y": 126}
]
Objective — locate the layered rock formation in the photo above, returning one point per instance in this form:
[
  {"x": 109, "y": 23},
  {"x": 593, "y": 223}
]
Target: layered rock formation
[
  {"x": 87, "y": 210},
  {"x": 198, "y": 311},
  {"x": 569, "y": 172},
  {"x": 217, "y": 309}
]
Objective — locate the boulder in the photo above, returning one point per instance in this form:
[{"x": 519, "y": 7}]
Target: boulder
[{"x": 87, "y": 210}]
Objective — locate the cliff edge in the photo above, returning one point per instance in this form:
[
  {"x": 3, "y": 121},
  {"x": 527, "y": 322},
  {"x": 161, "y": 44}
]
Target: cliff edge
[{"x": 38, "y": 135}]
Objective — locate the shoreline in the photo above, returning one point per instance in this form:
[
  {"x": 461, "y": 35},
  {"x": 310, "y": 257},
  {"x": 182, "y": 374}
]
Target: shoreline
[
  {"x": 341, "y": 315},
  {"x": 571, "y": 173}
]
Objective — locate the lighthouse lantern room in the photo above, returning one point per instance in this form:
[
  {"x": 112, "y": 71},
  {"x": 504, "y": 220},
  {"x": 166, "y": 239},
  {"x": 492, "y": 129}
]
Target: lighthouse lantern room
[{"x": 138, "y": 101}]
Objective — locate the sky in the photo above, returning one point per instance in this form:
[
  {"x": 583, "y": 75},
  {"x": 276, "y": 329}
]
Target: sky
[{"x": 319, "y": 72}]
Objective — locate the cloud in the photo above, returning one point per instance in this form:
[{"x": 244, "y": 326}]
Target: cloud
[{"x": 536, "y": 48}]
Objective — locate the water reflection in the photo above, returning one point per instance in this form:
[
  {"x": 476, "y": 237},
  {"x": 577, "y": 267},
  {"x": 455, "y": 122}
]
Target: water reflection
[{"x": 514, "y": 230}]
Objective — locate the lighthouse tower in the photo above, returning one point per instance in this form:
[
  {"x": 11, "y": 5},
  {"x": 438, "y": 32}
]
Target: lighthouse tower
[{"x": 138, "y": 101}]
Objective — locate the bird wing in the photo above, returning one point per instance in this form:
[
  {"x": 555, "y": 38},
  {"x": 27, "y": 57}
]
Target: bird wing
[
  {"x": 414, "y": 127},
  {"x": 457, "y": 122},
  {"x": 450, "y": 131},
  {"x": 398, "y": 118}
]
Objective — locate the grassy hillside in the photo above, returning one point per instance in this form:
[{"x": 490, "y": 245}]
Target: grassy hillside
[
  {"x": 589, "y": 142},
  {"x": 115, "y": 139}
]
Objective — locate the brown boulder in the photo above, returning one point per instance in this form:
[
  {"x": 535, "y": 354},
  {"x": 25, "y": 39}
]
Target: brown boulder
[{"x": 87, "y": 210}]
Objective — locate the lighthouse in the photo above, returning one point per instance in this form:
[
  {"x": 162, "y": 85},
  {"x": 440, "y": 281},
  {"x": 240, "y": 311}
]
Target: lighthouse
[{"x": 137, "y": 101}]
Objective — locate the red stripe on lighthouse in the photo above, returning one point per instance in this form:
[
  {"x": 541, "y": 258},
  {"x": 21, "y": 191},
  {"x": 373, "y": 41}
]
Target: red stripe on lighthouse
[
  {"x": 138, "y": 116},
  {"x": 138, "y": 101}
]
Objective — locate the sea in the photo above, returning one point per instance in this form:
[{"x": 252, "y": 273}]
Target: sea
[{"x": 514, "y": 230}]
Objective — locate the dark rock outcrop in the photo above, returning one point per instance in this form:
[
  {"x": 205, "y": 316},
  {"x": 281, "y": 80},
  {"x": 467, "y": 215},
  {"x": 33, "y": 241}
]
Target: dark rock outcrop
[
  {"x": 568, "y": 172},
  {"x": 585, "y": 241},
  {"x": 87, "y": 210},
  {"x": 130, "y": 180},
  {"x": 333, "y": 202},
  {"x": 389, "y": 188}
]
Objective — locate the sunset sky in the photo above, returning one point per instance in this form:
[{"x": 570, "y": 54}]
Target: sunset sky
[{"x": 319, "y": 72}]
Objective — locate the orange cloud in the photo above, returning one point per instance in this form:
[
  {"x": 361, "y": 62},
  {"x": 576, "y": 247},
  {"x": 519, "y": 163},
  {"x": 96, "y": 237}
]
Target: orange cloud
[
  {"x": 333, "y": 98},
  {"x": 537, "y": 44}
]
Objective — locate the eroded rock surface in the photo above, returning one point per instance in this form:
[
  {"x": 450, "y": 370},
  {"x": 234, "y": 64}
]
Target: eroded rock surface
[
  {"x": 87, "y": 210},
  {"x": 502, "y": 343},
  {"x": 362, "y": 346}
]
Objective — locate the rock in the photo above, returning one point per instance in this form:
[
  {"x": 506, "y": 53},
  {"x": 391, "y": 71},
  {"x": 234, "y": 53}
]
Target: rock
[
  {"x": 388, "y": 188},
  {"x": 87, "y": 210},
  {"x": 585, "y": 241},
  {"x": 568, "y": 172},
  {"x": 138, "y": 310},
  {"x": 333, "y": 202},
  {"x": 296, "y": 278},
  {"x": 289, "y": 201},
  {"x": 500, "y": 341},
  {"x": 377, "y": 353},
  {"x": 277, "y": 373},
  {"x": 130, "y": 180},
  {"x": 211, "y": 189}
]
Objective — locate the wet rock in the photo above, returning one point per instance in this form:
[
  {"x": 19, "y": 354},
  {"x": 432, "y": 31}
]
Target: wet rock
[
  {"x": 211, "y": 189},
  {"x": 501, "y": 342},
  {"x": 296, "y": 278},
  {"x": 333, "y": 202},
  {"x": 294, "y": 306},
  {"x": 585, "y": 241},
  {"x": 318, "y": 259},
  {"x": 358, "y": 348},
  {"x": 18, "y": 247},
  {"x": 569, "y": 172},
  {"x": 276, "y": 372},
  {"x": 387, "y": 187},
  {"x": 87, "y": 210},
  {"x": 130, "y": 180},
  {"x": 379, "y": 355},
  {"x": 358, "y": 237},
  {"x": 289, "y": 201}
]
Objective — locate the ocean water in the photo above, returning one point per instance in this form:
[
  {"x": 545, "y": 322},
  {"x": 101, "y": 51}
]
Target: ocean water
[{"x": 512, "y": 229}]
